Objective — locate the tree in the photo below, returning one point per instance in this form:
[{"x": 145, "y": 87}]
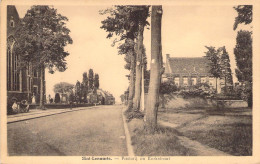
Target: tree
[
  {"x": 122, "y": 97},
  {"x": 42, "y": 36},
  {"x": 226, "y": 70},
  {"x": 57, "y": 98},
  {"x": 214, "y": 62},
  {"x": 243, "y": 56},
  {"x": 140, "y": 14},
  {"x": 243, "y": 51},
  {"x": 91, "y": 79},
  {"x": 85, "y": 85},
  {"x": 156, "y": 70},
  {"x": 96, "y": 81},
  {"x": 128, "y": 22},
  {"x": 77, "y": 91},
  {"x": 63, "y": 87},
  {"x": 245, "y": 15},
  {"x": 166, "y": 87}
]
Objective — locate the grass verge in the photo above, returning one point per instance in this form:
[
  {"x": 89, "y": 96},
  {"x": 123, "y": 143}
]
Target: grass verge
[
  {"x": 163, "y": 143},
  {"x": 228, "y": 130},
  {"x": 235, "y": 139}
]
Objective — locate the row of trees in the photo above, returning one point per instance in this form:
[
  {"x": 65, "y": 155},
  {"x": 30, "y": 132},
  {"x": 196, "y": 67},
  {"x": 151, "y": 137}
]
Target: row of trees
[
  {"x": 89, "y": 85},
  {"x": 127, "y": 24},
  {"x": 220, "y": 63}
]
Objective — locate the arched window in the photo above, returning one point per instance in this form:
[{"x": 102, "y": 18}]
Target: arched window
[{"x": 13, "y": 72}]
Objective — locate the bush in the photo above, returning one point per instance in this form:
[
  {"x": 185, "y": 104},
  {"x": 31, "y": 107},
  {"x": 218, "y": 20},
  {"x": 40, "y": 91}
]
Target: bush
[
  {"x": 200, "y": 90},
  {"x": 244, "y": 91},
  {"x": 57, "y": 98}
]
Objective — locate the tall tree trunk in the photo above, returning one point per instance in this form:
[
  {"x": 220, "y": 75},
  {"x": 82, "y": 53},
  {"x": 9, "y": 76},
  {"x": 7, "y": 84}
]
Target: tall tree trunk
[
  {"x": 132, "y": 82},
  {"x": 156, "y": 67},
  {"x": 138, "y": 67},
  {"x": 42, "y": 88}
]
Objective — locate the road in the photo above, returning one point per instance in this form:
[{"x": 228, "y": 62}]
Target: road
[{"x": 90, "y": 132}]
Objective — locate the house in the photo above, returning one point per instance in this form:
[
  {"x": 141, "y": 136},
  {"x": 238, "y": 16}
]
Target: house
[
  {"x": 23, "y": 83},
  {"x": 105, "y": 97},
  {"x": 189, "y": 71}
]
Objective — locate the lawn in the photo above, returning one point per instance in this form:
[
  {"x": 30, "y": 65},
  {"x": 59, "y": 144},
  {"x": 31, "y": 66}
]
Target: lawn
[
  {"x": 163, "y": 143},
  {"x": 228, "y": 130}
]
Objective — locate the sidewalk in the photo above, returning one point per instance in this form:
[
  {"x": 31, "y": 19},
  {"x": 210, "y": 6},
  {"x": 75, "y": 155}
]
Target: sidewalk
[{"x": 37, "y": 113}]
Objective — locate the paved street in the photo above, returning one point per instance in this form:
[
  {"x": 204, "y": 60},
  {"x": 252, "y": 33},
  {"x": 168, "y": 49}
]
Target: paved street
[{"x": 92, "y": 131}]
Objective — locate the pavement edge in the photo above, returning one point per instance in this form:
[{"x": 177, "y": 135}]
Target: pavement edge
[{"x": 129, "y": 146}]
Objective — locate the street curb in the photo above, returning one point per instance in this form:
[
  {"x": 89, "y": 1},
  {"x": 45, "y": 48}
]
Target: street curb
[
  {"x": 25, "y": 119},
  {"x": 129, "y": 146}
]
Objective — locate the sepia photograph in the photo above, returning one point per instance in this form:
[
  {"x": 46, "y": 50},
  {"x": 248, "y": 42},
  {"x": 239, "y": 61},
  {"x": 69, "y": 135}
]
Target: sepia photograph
[{"x": 128, "y": 82}]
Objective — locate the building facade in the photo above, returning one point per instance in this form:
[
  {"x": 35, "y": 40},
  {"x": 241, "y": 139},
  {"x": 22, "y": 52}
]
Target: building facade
[
  {"x": 189, "y": 71},
  {"x": 23, "y": 81}
]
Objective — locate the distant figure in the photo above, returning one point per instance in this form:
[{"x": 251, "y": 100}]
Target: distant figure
[
  {"x": 15, "y": 106},
  {"x": 33, "y": 99},
  {"x": 24, "y": 106},
  {"x": 71, "y": 100},
  {"x": 48, "y": 99}
]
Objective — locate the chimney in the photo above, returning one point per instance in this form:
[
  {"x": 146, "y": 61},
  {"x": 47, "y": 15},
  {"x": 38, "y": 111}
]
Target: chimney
[{"x": 167, "y": 56}]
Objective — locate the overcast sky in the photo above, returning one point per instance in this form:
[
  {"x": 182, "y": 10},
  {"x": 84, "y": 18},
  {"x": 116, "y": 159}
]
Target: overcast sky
[{"x": 186, "y": 30}]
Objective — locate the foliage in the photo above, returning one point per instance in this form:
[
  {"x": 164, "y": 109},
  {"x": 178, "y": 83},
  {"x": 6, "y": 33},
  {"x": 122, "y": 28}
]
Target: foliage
[
  {"x": 57, "y": 98},
  {"x": 123, "y": 21},
  {"x": 42, "y": 36},
  {"x": 130, "y": 114},
  {"x": 77, "y": 91},
  {"x": 202, "y": 90},
  {"x": 244, "y": 92},
  {"x": 245, "y": 15},
  {"x": 167, "y": 87},
  {"x": 96, "y": 81},
  {"x": 213, "y": 56},
  {"x": 225, "y": 65},
  {"x": 243, "y": 55},
  {"x": 85, "y": 85},
  {"x": 91, "y": 79},
  {"x": 71, "y": 97},
  {"x": 63, "y": 87},
  {"x": 243, "y": 52}
]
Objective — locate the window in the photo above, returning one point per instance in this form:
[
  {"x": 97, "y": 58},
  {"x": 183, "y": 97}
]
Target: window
[
  {"x": 177, "y": 81},
  {"x": 164, "y": 79},
  {"x": 211, "y": 81},
  {"x": 13, "y": 72},
  {"x": 193, "y": 80},
  {"x": 35, "y": 73},
  {"x": 203, "y": 80},
  {"x": 185, "y": 81}
]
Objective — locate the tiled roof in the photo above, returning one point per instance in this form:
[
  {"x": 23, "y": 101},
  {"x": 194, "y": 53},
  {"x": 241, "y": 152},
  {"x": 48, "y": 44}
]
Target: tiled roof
[{"x": 186, "y": 65}]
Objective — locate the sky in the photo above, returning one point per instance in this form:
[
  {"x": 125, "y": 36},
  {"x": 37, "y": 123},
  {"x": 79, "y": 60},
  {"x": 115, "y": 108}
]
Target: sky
[{"x": 186, "y": 30}]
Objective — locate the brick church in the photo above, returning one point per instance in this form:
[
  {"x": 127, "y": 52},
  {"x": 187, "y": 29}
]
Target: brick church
[
  {"x": 189, "y": 71},
  {"x": 22, "y": 82}
]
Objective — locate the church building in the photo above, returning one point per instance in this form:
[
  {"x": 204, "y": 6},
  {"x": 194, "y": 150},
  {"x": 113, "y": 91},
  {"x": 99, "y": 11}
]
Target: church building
[{"x": 23, "y": 83}]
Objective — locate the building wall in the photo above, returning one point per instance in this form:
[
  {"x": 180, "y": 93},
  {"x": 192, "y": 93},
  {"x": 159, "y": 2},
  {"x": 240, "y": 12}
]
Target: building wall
[
  {"x": 194, "y": 68},
  {"x": 16, "y": 76}
]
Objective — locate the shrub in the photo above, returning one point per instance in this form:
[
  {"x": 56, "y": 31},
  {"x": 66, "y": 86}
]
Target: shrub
[
  {"x": 200, "y": 90},
  {"x": 57, "y": 98}
]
